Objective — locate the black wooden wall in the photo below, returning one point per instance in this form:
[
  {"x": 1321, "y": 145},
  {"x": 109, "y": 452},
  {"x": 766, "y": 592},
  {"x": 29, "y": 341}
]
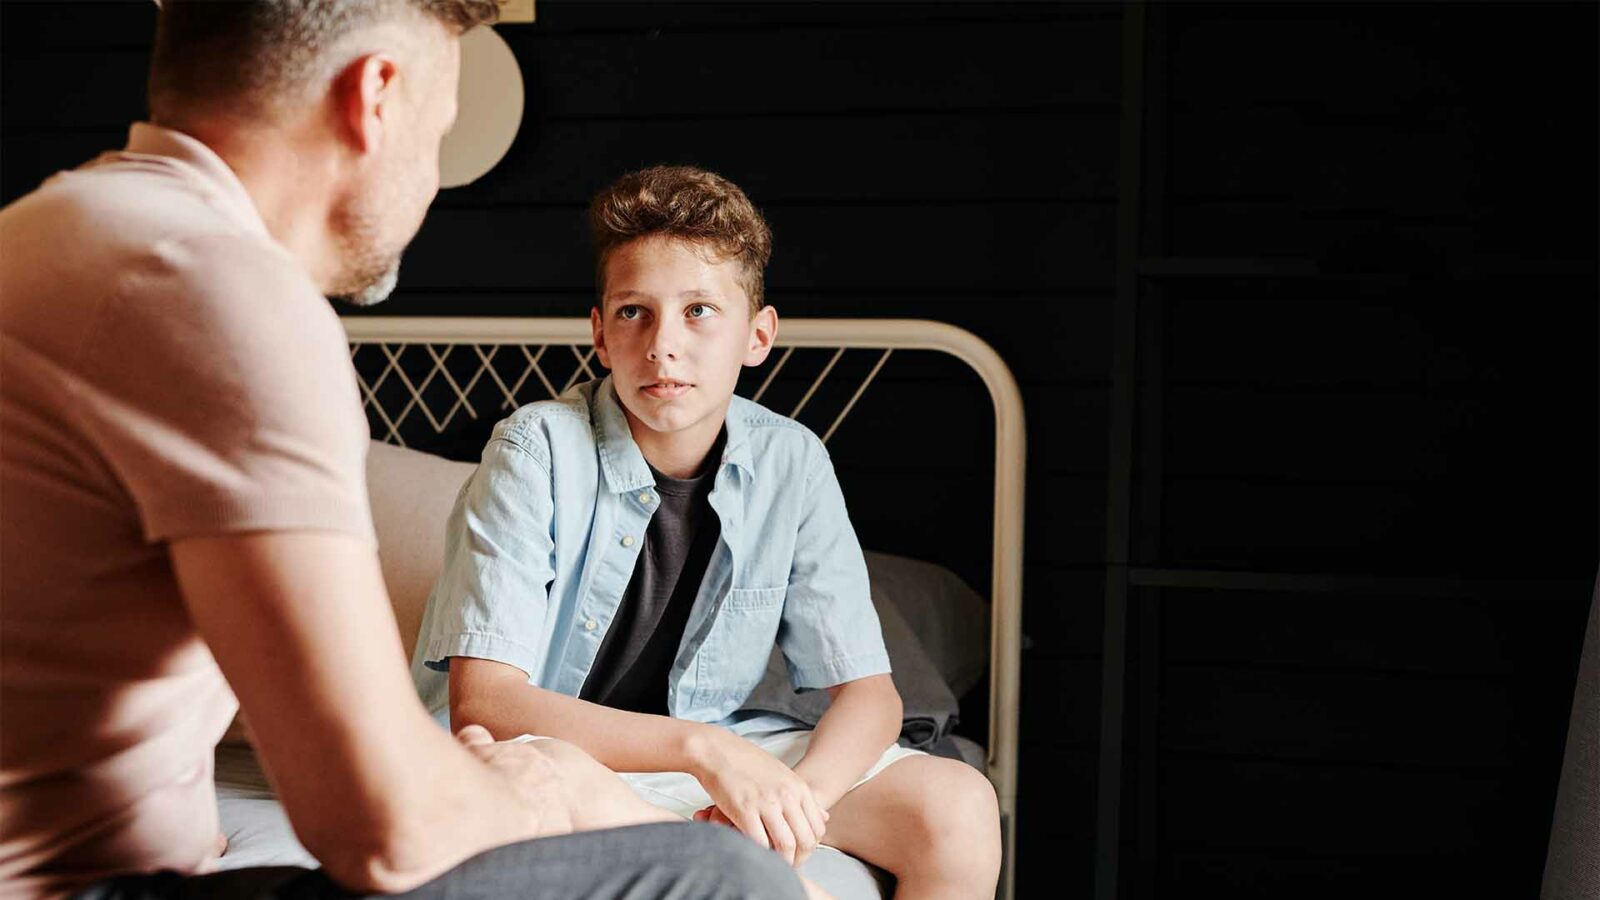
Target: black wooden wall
[{"x": 1362, "y": 505}]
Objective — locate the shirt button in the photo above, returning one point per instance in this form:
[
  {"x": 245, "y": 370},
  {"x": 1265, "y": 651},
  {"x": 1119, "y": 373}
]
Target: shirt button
[
  {"x": 590, "y": 625},
  {"x": 645, "y": 497},
  {"x": 627, "y": 540}
]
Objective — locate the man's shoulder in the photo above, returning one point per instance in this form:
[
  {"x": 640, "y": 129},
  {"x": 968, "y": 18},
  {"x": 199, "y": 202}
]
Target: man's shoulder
[
  {"x": 138, "y": 230},
  {"x": 135, "y": 199}
]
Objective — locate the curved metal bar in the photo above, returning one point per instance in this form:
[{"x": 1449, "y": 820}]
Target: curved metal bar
[{"x": 1005, "y": 654}]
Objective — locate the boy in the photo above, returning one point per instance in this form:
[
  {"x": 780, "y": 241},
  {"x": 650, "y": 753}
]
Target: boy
[{"x": 620, "y": 564}]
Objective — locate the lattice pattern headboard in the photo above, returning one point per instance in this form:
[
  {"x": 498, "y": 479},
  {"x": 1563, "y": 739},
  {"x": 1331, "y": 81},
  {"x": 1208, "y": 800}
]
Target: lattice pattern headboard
[{"x": 420, "y": 377}]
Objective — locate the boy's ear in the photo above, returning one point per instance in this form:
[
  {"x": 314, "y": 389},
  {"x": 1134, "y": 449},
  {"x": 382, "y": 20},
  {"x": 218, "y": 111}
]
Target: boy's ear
[
  {"x": 597, "y": 323},
  {"x": 763, "y": 332}
]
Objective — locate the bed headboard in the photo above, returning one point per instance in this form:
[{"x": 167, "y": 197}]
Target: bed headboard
[{"x": 422, "y": 374}]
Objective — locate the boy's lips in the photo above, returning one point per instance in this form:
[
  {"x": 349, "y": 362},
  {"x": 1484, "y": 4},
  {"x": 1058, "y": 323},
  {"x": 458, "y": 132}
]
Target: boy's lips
[{"x": 666, "y": 389}]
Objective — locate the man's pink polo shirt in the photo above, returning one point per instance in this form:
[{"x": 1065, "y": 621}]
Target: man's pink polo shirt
[{"x": 167, "y": 371}]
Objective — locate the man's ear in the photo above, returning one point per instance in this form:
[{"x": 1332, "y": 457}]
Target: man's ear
[
  {"x": 365, "y": 93},
  {"x": 598, "y": 324},
  {"x": 763, "y": 332}
]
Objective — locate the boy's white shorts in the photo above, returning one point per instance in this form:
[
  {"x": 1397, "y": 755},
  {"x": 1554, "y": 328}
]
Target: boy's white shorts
[{"x": 681, "y": 793}]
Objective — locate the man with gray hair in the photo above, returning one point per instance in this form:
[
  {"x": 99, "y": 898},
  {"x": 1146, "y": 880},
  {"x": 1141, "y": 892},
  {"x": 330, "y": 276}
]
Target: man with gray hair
[{"x": 186, "y": 518}]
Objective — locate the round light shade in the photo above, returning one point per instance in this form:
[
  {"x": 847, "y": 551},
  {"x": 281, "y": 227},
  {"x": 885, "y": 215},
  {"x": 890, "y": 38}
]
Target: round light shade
[{"x": 489, "y": 109}]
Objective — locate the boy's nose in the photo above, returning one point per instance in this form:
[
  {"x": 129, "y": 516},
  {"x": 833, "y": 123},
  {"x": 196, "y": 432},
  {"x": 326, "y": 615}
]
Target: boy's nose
[{"x": 663, "y": 345}]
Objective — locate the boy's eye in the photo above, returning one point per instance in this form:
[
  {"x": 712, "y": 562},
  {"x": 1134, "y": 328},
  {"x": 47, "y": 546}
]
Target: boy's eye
[
  {"x": 628, "y": 312},
  {"x": 699, "y": 311}
]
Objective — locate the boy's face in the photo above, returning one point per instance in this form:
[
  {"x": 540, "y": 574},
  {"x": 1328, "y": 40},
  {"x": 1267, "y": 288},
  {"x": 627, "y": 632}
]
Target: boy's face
[{"x": 674, "y": 328}]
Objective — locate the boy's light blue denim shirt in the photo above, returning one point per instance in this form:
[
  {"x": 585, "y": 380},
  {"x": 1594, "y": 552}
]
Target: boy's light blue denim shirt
[{"x": 545, "y": 534}]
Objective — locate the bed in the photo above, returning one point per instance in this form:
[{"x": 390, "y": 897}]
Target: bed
[{"x": 425, "y": 378}]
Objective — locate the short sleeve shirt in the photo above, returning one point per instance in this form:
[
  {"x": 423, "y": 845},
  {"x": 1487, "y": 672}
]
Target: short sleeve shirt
[
  {"x": 167, "y": 370},
  {"x": 545, "y": 538}
]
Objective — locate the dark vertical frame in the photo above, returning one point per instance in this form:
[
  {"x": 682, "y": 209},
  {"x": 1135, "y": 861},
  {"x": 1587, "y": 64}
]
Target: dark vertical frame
[
  {"x": 1151, "y": 448},
  {"x": 1119, "y": 499}
]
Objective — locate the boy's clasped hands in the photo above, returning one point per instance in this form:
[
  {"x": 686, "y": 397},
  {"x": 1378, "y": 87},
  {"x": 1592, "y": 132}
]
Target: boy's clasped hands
[{"x": 757, "y": 794}]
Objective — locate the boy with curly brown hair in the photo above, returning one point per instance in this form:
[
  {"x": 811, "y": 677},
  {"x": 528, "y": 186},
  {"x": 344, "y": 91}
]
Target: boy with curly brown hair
[{"x": 619, "y": 566}]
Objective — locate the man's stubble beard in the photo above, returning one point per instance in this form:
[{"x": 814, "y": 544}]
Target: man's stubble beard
[
  {"x": 371, "y": 270},
  {"x": 376, "y": 290}
]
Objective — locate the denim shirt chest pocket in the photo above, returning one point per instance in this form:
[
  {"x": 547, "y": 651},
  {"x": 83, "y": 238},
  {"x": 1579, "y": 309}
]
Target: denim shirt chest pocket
[{"x": 746, "y": 618}]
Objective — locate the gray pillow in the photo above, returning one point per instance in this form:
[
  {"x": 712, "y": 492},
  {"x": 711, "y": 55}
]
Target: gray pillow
[
  {"x": 930, "y": 708},
  {"x": 950, "y": 619}
]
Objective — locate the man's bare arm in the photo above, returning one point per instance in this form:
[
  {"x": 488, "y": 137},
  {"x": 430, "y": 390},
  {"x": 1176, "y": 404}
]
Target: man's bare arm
[
  {"x": 498, "y": 697},
  {"x": 301, "y": 626}
]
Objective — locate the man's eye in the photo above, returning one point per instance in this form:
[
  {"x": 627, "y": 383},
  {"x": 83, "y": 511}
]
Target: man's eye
[
  {"x": 700, "y": 311},
  {"x": 628, "y": 312}
]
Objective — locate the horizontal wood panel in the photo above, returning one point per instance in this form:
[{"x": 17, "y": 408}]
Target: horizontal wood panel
[
  {"x": 1291, "y": 808},
  {"x": 1061, "y": 699},
  {"x": 1066, "y": 524},
  {"x": 1500, "y": 172},
  {"x": 32, "y": 26},
  {"x": 1056, "y": 785},
  {"x": 894, "y": 158},
  {"x": 1065, "y": 431},
  {"x": 27, "y": 160},
  {"x": 1325, "y": 874},
  {"x": 1418, "y": 167},
  {"x": 100, "y": 24},
  {"x": 1062, "y": 611},
  {"x": 1357, "y": 240},
  {"x": 1428, "y": 722},
  {"x": 1379, "y": 633},
  {"x": 1343, "y": 57},
  {"x": 1431, "y": 336},
  {"x": 1055, "y": 813},
  {"x": 941, "y": 247},
  {"x": 1296, "y": 435},
  {"x": 563, "y": 16},
  {"x": 89, "y": 88},
  {"x": 865, "y": 68},
  {"x": 1448, "y": 437},
  {"x": 1339, "y": 239},
  {"x": 689, "y": 72},
  {"x": 1379, "y": 529},
  {"x": 848, "y": 160}
]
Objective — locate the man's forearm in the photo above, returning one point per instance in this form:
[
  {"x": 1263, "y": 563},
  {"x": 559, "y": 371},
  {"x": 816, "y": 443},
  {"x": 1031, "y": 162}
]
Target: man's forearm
[
  {"x": 499, "y": 698},
  {"x": 863, "y": 720},
  {"x": 301, "y": 628}
]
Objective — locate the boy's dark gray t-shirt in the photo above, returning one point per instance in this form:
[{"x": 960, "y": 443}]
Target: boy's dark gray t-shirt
[{"x": 631, "y": 668}]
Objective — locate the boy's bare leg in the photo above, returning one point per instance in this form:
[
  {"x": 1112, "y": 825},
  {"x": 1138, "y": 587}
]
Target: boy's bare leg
[{"x": 931, "y": 822}]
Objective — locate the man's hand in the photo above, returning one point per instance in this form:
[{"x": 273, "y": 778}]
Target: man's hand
[
  {"x": 757, "y": 794},
  {"x": 566, "y": 787},
  {"x": 531, "y": 778}
]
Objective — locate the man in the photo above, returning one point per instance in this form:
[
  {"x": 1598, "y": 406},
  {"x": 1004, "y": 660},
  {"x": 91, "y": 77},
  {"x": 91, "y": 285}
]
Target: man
[{"x": 182, "y": 473}]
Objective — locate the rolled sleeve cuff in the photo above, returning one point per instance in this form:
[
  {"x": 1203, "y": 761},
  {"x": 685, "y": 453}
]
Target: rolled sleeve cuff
[
  {"x": 838, "y": 670},
  {"x": 479, "y": 645}
]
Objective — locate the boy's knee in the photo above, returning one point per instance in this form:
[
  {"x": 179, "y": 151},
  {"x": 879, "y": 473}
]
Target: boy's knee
[
  {"x": 974, "y": 795},
  {"x": 959, "y": 810},
  {"x": 740, "y": 866}
]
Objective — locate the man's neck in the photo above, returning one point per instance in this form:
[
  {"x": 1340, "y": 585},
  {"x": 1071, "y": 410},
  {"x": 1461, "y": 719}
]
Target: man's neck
[
  {"x": 680, "y": 454},
  {"x": 288, "y": 180}
]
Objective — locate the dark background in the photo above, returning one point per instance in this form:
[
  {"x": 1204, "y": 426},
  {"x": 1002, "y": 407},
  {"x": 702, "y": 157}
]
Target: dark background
[{"x": 1302, "y": 300}]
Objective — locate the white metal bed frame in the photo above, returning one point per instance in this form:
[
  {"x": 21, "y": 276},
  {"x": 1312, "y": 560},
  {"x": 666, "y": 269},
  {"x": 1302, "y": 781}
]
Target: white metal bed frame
[{"x": 487, "y": 337}]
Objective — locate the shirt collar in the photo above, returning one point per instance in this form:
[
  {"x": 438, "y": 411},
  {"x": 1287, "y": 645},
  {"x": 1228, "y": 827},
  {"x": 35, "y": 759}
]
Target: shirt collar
[
  {"x": 620, "y": 459},
  {"x": 146, "y": 139}
]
